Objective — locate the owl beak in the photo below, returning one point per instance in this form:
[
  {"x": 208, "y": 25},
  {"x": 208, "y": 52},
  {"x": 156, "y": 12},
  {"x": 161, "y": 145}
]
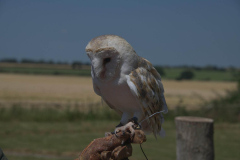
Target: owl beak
[
  {"x": 105, "y": 61},
  {"x": 102, "y": 74}
]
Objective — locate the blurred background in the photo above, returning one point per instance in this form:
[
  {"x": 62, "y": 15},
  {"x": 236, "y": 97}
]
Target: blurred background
[{"x": 48, "y": 109}]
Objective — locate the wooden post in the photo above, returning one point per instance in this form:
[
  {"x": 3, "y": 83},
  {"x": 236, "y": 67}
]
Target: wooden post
[{"x": 194, "y": 138}]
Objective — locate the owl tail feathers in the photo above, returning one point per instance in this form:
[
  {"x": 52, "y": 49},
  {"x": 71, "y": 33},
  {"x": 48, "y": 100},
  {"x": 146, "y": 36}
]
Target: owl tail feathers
[
  {"x": 158, "y": 131},
  {"x": 162, "y": 133},
  {"x": 165, "y": 108}
]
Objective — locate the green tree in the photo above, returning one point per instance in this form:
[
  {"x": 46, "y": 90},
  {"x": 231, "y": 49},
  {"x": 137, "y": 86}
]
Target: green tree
[
  {"x": 77, "y": 65},
  {"x": 187, "y": 74},
  {"x": 160, "y": 70}
]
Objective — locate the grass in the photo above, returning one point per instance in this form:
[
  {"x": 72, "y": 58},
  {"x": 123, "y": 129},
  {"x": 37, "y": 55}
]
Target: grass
[
  {"x": 20, "y": 113},
  {"x": 225, "y": 113},
  {"x": 68, "y": 139},
  {"x": 35, "y": 157}
]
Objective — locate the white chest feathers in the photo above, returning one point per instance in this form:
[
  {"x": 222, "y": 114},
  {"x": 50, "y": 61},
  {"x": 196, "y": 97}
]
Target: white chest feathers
[{"x": 119, "y": 96}]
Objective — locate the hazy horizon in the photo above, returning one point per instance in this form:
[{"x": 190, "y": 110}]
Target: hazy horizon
[
  {"x": 49, "y": 61},
  {"x": 172, "y": 33}
]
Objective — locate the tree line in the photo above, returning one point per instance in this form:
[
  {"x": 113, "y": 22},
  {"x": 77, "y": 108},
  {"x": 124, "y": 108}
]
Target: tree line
[
  {"x": 187, "y": 73},
  {"x": 158, "y": 67},
  {"x": 41, "y": 61}
]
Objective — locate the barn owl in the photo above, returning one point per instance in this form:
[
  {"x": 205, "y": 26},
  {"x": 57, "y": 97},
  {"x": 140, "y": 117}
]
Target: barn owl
[{"x": 128, "y": 83}]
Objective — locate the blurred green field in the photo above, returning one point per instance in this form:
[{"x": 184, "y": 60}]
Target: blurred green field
[
  {"x": 65, "y": 140},
  {"x": 206, "y": 75},
  {"x": 170, "y": 73},
  {"x": 44, "y": 71}
]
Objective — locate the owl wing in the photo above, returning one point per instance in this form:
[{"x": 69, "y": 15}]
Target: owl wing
[{"x": 145, "y": 84}]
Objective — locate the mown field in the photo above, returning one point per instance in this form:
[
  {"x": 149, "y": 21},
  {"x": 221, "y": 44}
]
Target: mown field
[{"x": 47, "y": 90}]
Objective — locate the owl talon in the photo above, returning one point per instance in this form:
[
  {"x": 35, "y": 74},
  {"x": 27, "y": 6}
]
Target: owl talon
[
  {"x": 136, "y": 125},
  {"x": 125, "y": 128},
  {"x": 116, "y": 131}
]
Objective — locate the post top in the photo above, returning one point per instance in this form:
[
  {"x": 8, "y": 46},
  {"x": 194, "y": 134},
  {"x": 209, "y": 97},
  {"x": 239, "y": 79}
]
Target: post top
[{"x": 194, "y": 119}]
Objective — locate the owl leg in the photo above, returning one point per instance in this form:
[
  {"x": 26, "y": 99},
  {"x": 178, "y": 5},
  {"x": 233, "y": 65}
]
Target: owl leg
[
  {"x": 137, "y": 117},
  {"x": 110, "y": 133},
  {"x": 128, "y": 127},
  {"x": 135, "y": 121},
  {"x": 124, "y": 120}
]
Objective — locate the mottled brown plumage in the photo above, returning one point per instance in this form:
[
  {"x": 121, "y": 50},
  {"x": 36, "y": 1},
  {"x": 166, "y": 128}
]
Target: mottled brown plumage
[{"x": 149, "y": 87}]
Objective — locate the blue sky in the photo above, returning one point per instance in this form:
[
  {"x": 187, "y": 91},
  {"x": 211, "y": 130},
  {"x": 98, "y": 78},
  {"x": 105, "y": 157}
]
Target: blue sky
[{"x": 192, "y": 32}]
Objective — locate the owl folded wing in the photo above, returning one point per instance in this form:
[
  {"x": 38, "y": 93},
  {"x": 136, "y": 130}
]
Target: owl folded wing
[{"x": 145, "y": 84}]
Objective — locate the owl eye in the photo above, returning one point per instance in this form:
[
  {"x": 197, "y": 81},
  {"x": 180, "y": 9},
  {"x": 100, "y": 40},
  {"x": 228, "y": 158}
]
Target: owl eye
[{"x": 106, "y": 60}]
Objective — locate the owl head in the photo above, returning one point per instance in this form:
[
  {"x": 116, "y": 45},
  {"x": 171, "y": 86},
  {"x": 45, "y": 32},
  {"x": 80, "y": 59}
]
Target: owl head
[{"x": 111, "y": 56}]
